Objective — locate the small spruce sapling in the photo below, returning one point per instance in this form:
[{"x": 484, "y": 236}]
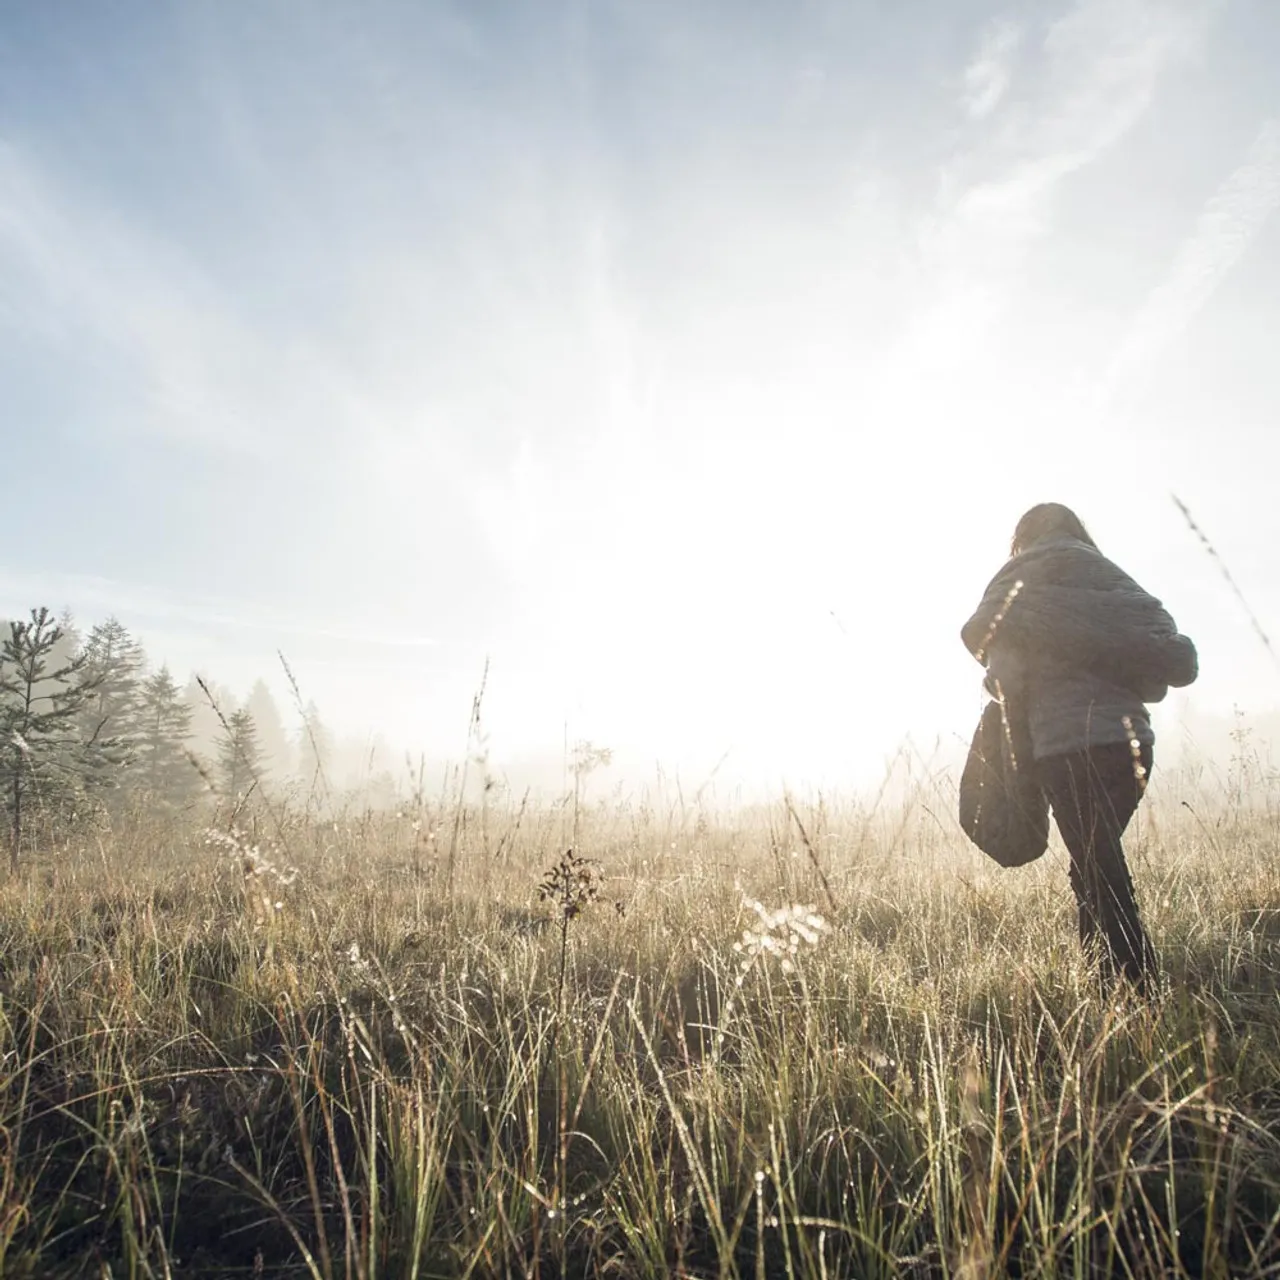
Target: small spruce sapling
[{"x": 43, "y": 692}]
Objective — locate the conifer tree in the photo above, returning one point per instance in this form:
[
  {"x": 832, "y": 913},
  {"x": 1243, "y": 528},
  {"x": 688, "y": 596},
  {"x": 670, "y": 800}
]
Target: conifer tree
[
  {"x": 71, "y": 641},
  {"x": 210, "y": 704},
  {"x": 42, "y": 696},
  {"x": 109, "y": 719},
  {"x": 272, "y": 740},
  {"x": 315, "y": 752},
  {"x": 163, "y": 766},
  {"x": 239, "y": 755}
]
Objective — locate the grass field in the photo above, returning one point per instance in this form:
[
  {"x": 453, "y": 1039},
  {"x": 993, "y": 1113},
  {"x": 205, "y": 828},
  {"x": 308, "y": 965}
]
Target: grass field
[{"x": 402, "y": 1061}]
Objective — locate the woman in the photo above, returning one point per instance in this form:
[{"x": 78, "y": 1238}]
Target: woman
[{"x": 1083, "y": 648}]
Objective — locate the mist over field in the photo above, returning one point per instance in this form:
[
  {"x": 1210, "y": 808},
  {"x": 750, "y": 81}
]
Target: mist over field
[{"x": 692, "y": 366}]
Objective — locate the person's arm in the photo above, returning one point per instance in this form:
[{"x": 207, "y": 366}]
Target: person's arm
[
  {"x": 1183, "y": 661},
  {"x": 979, "y": 634}
]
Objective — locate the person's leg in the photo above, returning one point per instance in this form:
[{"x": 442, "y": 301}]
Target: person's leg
[
  {"x": 1065, "y": 783},
  {"x": 1093, "y": 795},
  {"x": 1119, "y": 789}
]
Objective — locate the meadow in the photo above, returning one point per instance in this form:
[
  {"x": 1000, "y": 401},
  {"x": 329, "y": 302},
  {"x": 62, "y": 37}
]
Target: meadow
[{"x": 816, "y": 1038}]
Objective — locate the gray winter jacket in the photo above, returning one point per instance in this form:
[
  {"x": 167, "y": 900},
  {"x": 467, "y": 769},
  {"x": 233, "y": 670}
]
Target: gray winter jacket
[{"x": 1080, "y": 644}]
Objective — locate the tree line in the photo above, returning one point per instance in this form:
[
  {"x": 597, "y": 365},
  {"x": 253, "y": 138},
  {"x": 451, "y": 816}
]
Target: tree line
[{"x": 89, "y": 727}]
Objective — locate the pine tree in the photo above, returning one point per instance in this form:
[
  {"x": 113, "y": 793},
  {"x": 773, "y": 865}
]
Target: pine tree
[
  {"x": 275, "y": 746},
  {"x": 109, "y": 720},
  {"x": 42, "y": 697},
  {"x": 239, "y": 755},
  {"x": 163, "y": 766},
  {"x": 210, "y": 704},
  {"x": 71, "y": 641},
  {"x": 315, "y": 754}
]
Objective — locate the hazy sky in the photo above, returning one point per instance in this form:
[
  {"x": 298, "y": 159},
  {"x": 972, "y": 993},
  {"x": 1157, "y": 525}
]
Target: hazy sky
[{"x": 691, "y": 360}]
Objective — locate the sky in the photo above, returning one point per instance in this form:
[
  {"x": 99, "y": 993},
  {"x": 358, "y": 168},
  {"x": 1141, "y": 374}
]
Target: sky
[{"x": 690, "y": 362}]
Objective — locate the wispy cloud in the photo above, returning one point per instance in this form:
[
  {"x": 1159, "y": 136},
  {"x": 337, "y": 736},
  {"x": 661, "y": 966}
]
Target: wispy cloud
[
  {"x": 142, "y": 605},
  {"x": 137, "y": 312},
  {"x": 1091, "y": 82},
  {"x": 1226, "y": 227},
  {"x": 986, "y": 78},
  {"x": 1101, "y": 65}
]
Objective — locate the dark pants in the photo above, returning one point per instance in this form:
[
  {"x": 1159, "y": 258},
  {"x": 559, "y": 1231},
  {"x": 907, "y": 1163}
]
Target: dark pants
[{"x": 1093, "y": 795}]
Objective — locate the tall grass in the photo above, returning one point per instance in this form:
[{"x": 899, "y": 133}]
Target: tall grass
[{"x": 407, "y": 1064}]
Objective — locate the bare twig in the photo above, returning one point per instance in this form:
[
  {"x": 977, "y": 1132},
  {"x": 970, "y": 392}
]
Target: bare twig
[
  {"x": 813, "y": 853},
  {"x": 473, "y": 729},
  {"x": 319, "y": 776},
  {"x": 1226, "y": 573}
]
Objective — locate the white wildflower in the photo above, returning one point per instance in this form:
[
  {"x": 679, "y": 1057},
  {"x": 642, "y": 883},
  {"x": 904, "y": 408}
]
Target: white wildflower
[{"x": 780, "y": 934}]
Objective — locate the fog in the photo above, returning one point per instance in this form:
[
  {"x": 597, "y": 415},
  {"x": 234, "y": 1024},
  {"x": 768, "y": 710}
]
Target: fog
[{"x": 689, "y": 367}]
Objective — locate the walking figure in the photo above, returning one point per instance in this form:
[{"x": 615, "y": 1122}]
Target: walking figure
[{"x": 1075, "y": 650}]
